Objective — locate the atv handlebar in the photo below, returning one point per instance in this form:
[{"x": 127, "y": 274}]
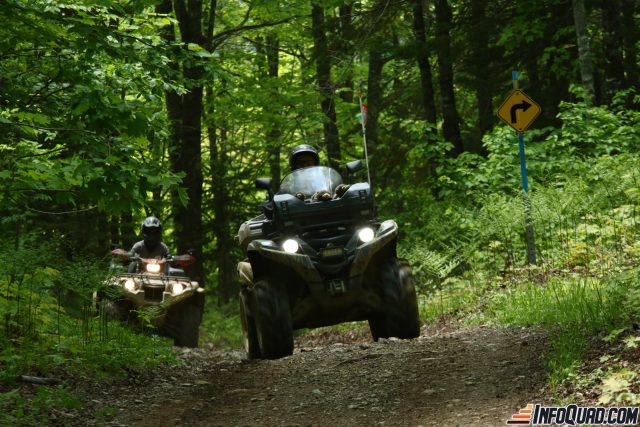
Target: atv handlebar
[{"x": 181, "y": 260}]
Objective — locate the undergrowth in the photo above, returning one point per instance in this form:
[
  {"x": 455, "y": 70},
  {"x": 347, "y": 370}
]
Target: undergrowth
[
  {"x": 50, "y": 329},
  {"x": 470, "y": 253},
  {"x": 221, "y": 325}
]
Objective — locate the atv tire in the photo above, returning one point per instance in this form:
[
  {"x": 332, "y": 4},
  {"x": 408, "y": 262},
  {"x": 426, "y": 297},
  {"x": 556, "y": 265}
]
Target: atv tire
[
  {"x": 399, "y": 316},
  {"x": 272, "y": 315},
  {"x": 108, "y": 309},
  {"x": 251, "y": 344},
  {"x": 188, "y": 323}
]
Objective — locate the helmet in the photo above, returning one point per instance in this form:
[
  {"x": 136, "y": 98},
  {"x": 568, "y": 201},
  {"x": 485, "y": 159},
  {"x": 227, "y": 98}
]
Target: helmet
[
  {"x": 300, "y": 150},
  {"x": 151, "y": 231}
]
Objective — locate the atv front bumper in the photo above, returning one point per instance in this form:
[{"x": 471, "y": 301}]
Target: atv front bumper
[
  {"x": 144, "y": 290},
  {"x": 317, "y": 297}
]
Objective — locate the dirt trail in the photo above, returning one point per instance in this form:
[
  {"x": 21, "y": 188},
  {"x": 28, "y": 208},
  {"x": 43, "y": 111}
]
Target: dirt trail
[{"x": 470, "y": 377}]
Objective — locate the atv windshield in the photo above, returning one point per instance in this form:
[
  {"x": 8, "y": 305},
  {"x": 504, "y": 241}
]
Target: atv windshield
[{"x": 310, "y": 180}]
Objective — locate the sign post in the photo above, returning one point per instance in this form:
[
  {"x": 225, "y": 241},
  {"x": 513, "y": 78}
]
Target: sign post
[{"x": 519, "y": 111}]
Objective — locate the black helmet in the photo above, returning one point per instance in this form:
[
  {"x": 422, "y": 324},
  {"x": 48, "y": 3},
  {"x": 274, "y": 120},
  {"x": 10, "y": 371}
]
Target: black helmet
[
  {"x": 151, "y": 231},
  {"x": 300, "y": 150}
]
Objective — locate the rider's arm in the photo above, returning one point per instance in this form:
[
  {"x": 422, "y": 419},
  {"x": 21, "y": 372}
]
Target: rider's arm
[
  {"x": 166, "y": 253},
  {"x": 135, "y": 250}
]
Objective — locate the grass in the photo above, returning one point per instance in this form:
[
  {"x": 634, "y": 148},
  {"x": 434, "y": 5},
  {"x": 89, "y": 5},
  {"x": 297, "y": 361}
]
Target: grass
[
  {"x": 574, "y": 310},
  {"x": 221, "y": 325},
  {"x": 117, "y": 353},
  {"x": 18, "y": 408},
  {"x": 455, "y": 297},
  {"x": 70, "y": 359},
  {"x": 69, "y": 349}
]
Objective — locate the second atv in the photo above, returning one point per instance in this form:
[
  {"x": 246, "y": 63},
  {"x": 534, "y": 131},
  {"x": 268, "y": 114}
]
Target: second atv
[{"x": 173, "y": 301}]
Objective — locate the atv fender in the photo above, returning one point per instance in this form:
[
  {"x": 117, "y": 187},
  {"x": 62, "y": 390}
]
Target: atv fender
[
  {"x": 269, "y": 250},
  {"x": 385, "y": 239}
]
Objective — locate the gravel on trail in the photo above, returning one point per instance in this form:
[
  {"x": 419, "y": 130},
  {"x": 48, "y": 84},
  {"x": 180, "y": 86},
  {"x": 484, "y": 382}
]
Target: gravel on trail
[{"x": 476, "y": 376}]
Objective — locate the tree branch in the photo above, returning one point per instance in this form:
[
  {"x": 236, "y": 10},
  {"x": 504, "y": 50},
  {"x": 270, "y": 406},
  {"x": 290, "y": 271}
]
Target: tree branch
[
  {"x": 220, "y": 37},
  {"x": 46, "y": 128},
  {"x": 208, "y": 37},
  {"x": 301, "y": 56},
  {"x": 61, "y": 213},
  {"x": 46, "y": 153}
]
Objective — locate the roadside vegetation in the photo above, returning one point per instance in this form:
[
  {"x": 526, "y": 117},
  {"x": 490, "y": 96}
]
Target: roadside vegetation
[{"x": 585, "y": 288}]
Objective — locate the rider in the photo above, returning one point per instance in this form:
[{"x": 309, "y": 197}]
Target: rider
[
  {"x": 151, "y": 245},
  {"x": 303, "y": 156}
]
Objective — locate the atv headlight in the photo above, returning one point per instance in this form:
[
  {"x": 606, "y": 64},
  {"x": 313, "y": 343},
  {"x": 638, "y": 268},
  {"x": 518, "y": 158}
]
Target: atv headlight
[
  {"x": 177, "y": 288},
  {"x": 290, "y": 246},
  {"x": 130, "y": 285},
  {"x": 153, "y": 268},
  {"x": 366, "y": 234}
]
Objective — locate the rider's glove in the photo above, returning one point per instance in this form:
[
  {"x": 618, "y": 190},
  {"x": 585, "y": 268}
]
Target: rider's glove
[
  {"x": 341, "y": 189},
  {"x": 322, "y": 195}
]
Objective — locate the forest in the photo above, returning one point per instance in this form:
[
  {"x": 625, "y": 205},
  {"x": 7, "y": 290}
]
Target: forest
[{"x": 114, "y": 110}]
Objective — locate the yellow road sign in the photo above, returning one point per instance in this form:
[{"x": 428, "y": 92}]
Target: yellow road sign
[{"x": 519, "y": 111}]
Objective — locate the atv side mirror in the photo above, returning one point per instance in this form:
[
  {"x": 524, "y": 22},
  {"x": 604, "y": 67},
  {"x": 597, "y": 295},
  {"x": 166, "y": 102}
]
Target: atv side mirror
[
  {"x": 353, "y": 167},
  {"x": 121, "y": 255},
  {"x": 184, "y": 260},
  {"x": 265, "y": 184}
]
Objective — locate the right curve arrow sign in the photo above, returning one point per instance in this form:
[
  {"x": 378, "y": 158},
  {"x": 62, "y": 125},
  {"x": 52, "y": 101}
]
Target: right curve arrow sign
[
  {"x": 518, "y": 110},
  {"x": 524, "y": 106}
]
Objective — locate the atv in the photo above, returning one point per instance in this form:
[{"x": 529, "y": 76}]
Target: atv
[
  {"x": 318, "y": 261},
  {"x": 159, "y": 291}
]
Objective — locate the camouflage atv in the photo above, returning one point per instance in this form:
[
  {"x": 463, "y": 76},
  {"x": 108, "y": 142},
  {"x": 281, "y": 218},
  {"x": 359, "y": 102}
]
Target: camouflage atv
[
  {"x": 159, "y": 292},
  {"x": 316, "y": 262}
]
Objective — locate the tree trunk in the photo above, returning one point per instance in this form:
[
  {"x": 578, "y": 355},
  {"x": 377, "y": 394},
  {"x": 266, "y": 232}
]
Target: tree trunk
[
  {"x": 374, "y": 99},
  {"x": 586, "y": 64},
  {"x": 323, "y": 69},
  {"x": 451, "y": 119},
  {"x": 348, "y": 33},
  {"x": 555, "y": 85},
  {"x": 226, "y": 275},
  {"x": 480, "y": 59},
  {"x": 128, "y": 232},
  {"x": 631, "y": 36},
  {"x": 103, "y": 231},
  {"x": 426, "y": 81},
  {"x": 274, "y": 135},
  {"x": 114, "y": 230},
  {"x": 612, "y": 43},
  {"x": 186, "y": 153}
]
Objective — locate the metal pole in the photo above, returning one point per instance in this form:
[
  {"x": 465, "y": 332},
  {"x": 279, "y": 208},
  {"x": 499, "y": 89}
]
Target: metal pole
[
  {"x": 528, "y": 221},
  {"x": 364, "y": 133}
]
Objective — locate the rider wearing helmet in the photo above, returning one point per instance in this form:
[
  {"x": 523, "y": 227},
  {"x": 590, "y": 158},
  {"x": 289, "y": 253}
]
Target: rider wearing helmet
[
  {"x": 151, "y": 245},
  {"x": 303, "y": 156}
]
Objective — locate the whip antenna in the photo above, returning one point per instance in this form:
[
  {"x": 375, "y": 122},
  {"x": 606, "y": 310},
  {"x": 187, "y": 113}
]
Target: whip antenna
[{"x": 363, "y": 120}]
